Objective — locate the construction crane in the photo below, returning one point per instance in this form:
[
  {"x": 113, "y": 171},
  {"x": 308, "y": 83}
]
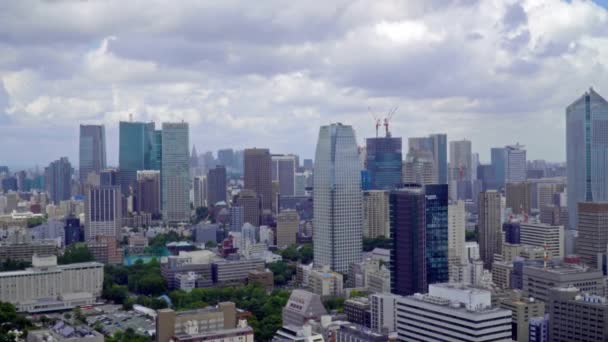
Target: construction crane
[
  {"x": 376, "y": 120},
  {"x": 387, "y": 120}
]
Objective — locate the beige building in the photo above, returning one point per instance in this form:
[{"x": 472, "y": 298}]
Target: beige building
[
  {"x": 456, "y": 236},
  {"x": 325, "y": 282},
  {"x": 489, "y": 226},
  {"x": 592, "y": 231},
  {"x": 541, "y": 234},
  {"x": 523, "y": 309},
  {"x": 375, "y": 214},
  {"x": 518, "y": 197},
  {"x": 171, "y": 324},
  {"x": 288, "y": 222}
]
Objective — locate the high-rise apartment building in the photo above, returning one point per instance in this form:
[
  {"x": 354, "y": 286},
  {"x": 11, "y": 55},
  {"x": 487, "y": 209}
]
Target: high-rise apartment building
[
  {"x": 376, "y": 220},
  {"x": 92, "y": 150},
  {"x": 489, "y": 226},
  {"x": 419, "y": 168},
  {"x": 338, "y": 219},
  {"x": 258, "y": 174},
  {"x": 384, "y": 162},
  {"x": 436, "y": 208},
  {"x": 408, "y": 232},
  {"x": 58, "y": 180},
  {"x": 103, "y": 207},
  {"x": 515, "y": 158},
  {"x": 175, "y": 180},
  {"x": 283, "y": 172},
  {"x": 216, "y": 185},
  {"x": 135, "y": 152},
  {"x": 147, "y": 195},
  {"x": 586, "y": 145},
  {"x": 592, "y": 231}
]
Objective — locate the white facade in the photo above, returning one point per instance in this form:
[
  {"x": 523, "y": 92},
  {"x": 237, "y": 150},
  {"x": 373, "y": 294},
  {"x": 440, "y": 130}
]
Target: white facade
[
  {"x": 456, "y": 231},
  {"x": 338, "y": 219},
  {"x": 325, "y": 282},
  {"x": 175, "y": 172},
  {"x": 515, "y": 160},
  {"x": 200, "y": 191},
  {"x": 540, "y": 234},
  {"x": 383, "y": 309}
]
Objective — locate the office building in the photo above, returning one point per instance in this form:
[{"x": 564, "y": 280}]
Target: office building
[
  {"x": 103, "y": 207},
  {"x": 523, "y": 310},
  {"x": 485, "y": 174},
  {"x": 587, "y": 169},
  {"x": 105, "y": 250},
  {"x": 283, "y": 171},
  {"x": 358, "y": 311},
  {"x": 252, "y": 207},
  {"x": 47, "y": 286},
  {"x": 592, "y": 231},
  {"x": 135, "y": 151},
  {"x": 288, "y": 223},
  {"x": 419, "y": 168},
  {"x": 489, "y": 226},
  {"x": 199, "y": 187},
  {"x": 24, "y": 249},
  {"x": 258, "y": 175},
  {"x": 302, "y": 307},
  {"x": 225, "y": 157},
  {"x": 198, "y": 263},
  {"x": 436, "y": 208},
  {"x": 325, "y": 282},
  {"x": 515, "y": 168},
  {"x": 499, "y": 165},
  {"x": 147, "y": 194},
  {"x": 376, "y": 220},
  {"x": 460, "y": 159},
  {"x": 338, "y": 219},
  {"x": 174, "y": 173},
  {"x": 456, "y": 236},
  {"x": 539, "y": 329},
  {"x": 518, "y": 197},
  {"x": 538, "y": 280},
  {"x": 58, "y": 180},
  {"x": 452, "y": 312},
  {"x": 544, "y": 235},
  {"x": 73, "y": 231},
  {"x": 216, "y": 185},
  {"x": 237, "y": 218},
  {"x": 92, "y": 150},
  {"x": 383, "y": 161},
  {"x": 436, "y": 144},
  {"x": 408, "y": 232},
  {"x": 576, "y": 316},
  {"x": 175, "y": 326},
  {"x": 234, "y": 272},
  {"x": 383, "y": 317}
]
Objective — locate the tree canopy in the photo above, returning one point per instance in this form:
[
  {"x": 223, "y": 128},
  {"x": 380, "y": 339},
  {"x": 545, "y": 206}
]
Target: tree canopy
[{"x": 75, "y": 253}]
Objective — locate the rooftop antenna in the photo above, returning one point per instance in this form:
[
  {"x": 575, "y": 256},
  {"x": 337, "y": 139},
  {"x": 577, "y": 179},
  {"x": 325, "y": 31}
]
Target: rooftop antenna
[
  {"x": 387, "y": 120},
  {"x": 376, "y": 119}
]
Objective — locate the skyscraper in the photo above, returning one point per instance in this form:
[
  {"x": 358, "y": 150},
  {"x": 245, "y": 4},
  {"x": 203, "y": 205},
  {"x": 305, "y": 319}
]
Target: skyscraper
[
  {"x": 460, "y": 159},
  {"x": 456, "y": 236},
  {"x": 515, "y": 157},
  {"x": 436, "y": 145},
  {"x": 216, "y": 185},
  {"x": 250, "y": 201},
  {"x": 103, "y": 207},
  {"x": 592, "y": 233},
  {"x": 586, "y": 150},
  {"x": 283, "y": 171},
  {"x": 499, "y": 165},
  {"x": 408, "y": 232},
  {"x": 58, "y": 180},
  {"x": 92, "y": 150},
  {"x": 175, "y": 172},
  {"x": 338, "y": 220},
  {"x": 436, "y": 209},
  {"x": 376, "y": 220},
  {"x": 489, "y": 226},
  {"x": 384, "y": 162},
  {"x": 258, "y": 174},
  {"x": 137, "y": 142},
  {"x": 226, "y": 157},
  {"x": 199, "y": 186},
  {"x": 147, "y": 195}
]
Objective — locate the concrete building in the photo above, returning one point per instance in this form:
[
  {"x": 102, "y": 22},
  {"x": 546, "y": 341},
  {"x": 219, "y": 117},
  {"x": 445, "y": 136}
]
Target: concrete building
[
  {"x": 291, "y": 333},
  {"x": 288, "y": 223},
  {"x": 252, "y": 207},
  {"x": 199, "y": 263},
  {"x": 460, "y": 159},
  {"x": 199, "y": 187},
  {"x": 358, "y": 333},
  {"x": 515, "y": 168},
  {"x": 338, "y": 219},
  {"x": 92, "y": 150},
  {"x": 383, "y": 162},
  {"x": 587, "y": 168},
  {"x": 175, "y": 174},
  {"x": 135, "y": 152},
  {"x": 58, "y": 180},
  {"x": 216, "y": 185},
  {"x": 47, "y": 286},
  {"x": 419, "y": 168},
  {"x": 376, "y": 220},
  {"x": 284, "y": 168},
  {"x": 258, "y": 175},
  {"x": 523, "y": 310},
  {"x": 539, "y": 329},
  {"x": 301, "y": 307},
  {"x": 518, "y": 197},
  {"x": 541, "y": 235},
  {"x": 358, "y": 311},
  {"x": 452, "y": 312},
  {"x": 592, "y": 231},
  {"x": 436, "y": 211},
  {"x": 105, "y": 250},
  {"x": 436, "y": 144},
  {"x": 171, "y": 324},
  {"x": 325, "y": 282},
  {"x": 264, "y": 278},
  {"x": 456, "y": 234},
  {"x": 537, "y": 281},
  {"x": 147, "y": 194},
  {"x": 489, "y": 226},
  {"x": 576, "y": 316},
  {"x": 383, "y": 308},
  {"x": 103, "y": 207},
  {"x": 24, "y": 250},
  {"x": 234, "y": 272}
]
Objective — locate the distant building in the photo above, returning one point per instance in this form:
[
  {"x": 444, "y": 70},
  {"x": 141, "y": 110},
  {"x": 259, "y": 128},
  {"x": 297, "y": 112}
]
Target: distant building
[
  {"x": 283, "y": 171},
  {"x": 358, "y": 311},
  {"x": 288, "y": 223},
  {"x": 103, "y": 207},
  {"x": 216, "y": 185},
  {"x": 147, "y": 195},
  {"x": 63, "y": 332},
  {"x": 592, "y": 233},
  {"x": 180, "y": 326},
  {"x": 541, "y": 235},
  {"x": 518, "y": 197},
  {"x": 105, "y": 250},
  {"x": 135, "y": 152},
  {"x": 515, "y": 158},
  {"x": 252, "y": 207},
  {"x": 175, "y": 179},
  {"x": 456, "y": 236},
  {"x": 326, "y": 283},
  {"x": 234, "y": 272},
  {"x": 537, "y": 281},
  {"x": 436, "y": 209},
  {"x": 258, "y": 175},
  {"x": 383, "y": 162},
  {"x": 199, "y": 187},
  {"x": 92, "y": 150},
  {"x": 74, "y": 232},
  {"x": 489, "y": 226},
  {"x": 58, "y": 180}
]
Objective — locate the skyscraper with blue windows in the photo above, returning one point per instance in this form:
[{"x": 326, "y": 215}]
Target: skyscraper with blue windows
[
  {"x": 499, "y": 164},
  {"x": 436, "y": 211},
  {"x": 135, "y": 153},
  {"x": 384, "y": 162},
  {"x": 586, "y": 155}
]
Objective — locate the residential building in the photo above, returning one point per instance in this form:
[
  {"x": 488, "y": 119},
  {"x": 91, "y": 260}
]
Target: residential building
[
  {"x": 456, "y": 236},
  {"x": 175, "y": 179},
  {"x": 325, "y": 282},
  {"x": 301, "y": 307},
  {"x": 258, "y": 175},
  {"x": 288, "y": 223},
  {"x": 58, "y": 180},
  {"x": 383, "y": 316},
  {"x": 383, "y": 162},
  {"x": 338, "y": 219},
  {"x": 419, "y": 168},
  {"x": 376, "y": 220},
  {"x": 92, "y": 150},
  {"x": 408, "y": 231},
  {"x": 576, "y": 316},
  {"x": 587, "y": 169},
  {"x": 358, "y": 311},
  {"x": 452, "y": 312},
  {"x": 489, "y": 226},
  {"x": 592, "y": 231}
]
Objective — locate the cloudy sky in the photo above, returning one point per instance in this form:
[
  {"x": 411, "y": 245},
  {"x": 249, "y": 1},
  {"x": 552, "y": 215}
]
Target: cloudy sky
[{"x": 269, "y": 73}]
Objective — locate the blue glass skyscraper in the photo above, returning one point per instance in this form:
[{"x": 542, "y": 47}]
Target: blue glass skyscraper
[
  {"x": 136, "y": 145},
  {"x": 384, "y": 162},
  {"x": 499, "y": 164},
  {"x": 436, "y": 211}
]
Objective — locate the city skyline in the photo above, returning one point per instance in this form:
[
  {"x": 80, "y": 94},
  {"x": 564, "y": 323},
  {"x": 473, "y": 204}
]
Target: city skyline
[{"x": 280, "y": 79}]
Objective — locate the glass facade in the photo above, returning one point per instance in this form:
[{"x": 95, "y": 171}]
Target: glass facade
[
  {"x": 384, "y": 162},
  {"x": 436, "y": 210},
  {"x": 499, "y": 164},
  {"x": 136, "y": 145}
]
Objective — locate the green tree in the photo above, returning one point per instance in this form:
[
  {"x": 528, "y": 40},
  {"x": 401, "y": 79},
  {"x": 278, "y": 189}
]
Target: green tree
[
  {"x": 11, "y": 320},
  {"x": 306, "y": 253},
  {"x": 75, "y": 253},
  {"x": 210, "y": 244},
  {"x": 379, "y": 242},
  {"x": 471, "y": 235},
  {"x": 282, "y": 272},
  {"x": 14, "y": 265},
  {"x": 35, "y": 221},
  {"x": 115, "y": 293}
]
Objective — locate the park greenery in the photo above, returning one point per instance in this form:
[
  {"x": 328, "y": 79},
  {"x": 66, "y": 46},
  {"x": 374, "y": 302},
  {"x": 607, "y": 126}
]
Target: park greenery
[
  {"x": 128, "y": 335},
  {"x": 75, "y": 253},
  {"x": 302, "y": 253},
  {"x": 379, "y": 242},
  {"x": 282, "y": 271},
  {"x": 14, "y": 265},
  {"x": 139, "y": 278},
  {"x": 36, "y": 221},
  {"x": 11, "y": 321}
]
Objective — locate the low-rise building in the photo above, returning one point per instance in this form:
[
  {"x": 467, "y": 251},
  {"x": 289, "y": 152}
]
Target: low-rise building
[
  {"x": 301, "y": 307},
  {"x": 234, "y": 272},
  {"x": 523, "y": 310},
  {"x": 357, "y": 311},
  {"x": 383, "y": 310},
  {"x": 576, "y": 316},
  {"x": 264, "y": 278},
  {"x": 291, "y": 333},
  {"x": 325, "y": 282},
  {"x": 63, "y": 332},
  {"x": 538, "y": 279},
  {"x": 171, "y": 324},
  {"x": 358, "y": 333}
]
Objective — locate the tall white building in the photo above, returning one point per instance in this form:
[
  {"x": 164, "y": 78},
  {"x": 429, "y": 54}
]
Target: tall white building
[
  {"x": 456, "y": 235},
  {"x": 200, "y": 191},
  {"x": 383, "y": 313},
  {"x": 338, "y": 219},
  {"x": 175, "y": 172},
  {"x": 452, "y": 312},
  {"x": 375, "y": 214},
  {"x": 515, "y": 164}
]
